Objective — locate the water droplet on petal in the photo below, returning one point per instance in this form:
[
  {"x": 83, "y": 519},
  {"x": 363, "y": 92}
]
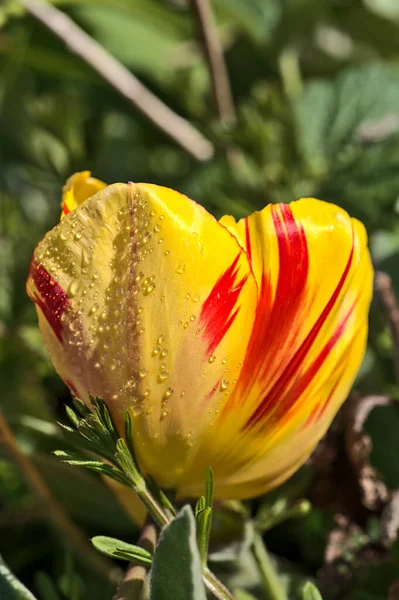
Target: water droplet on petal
[
  {"x": 78, "y": 235},
  {"x": 181, "y": 268},
  {"x": 196, "y": 298},
  {"x": 73, "y": 288},
  {"x": 137, "y": 410},
  {"x": 156, "y": 351},
  {"x": 164, "y": 352},
  {"x": 143, "y": 372},
  {"x": 212, "y": 358},
  {"x": 157, "y": 228},
  {"x": 224, "y": 384},
  {"x": 162, "y": 375}
]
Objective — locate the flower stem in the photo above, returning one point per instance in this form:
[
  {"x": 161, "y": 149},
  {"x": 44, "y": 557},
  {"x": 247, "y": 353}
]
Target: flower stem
[
  {"x": 213, "y": 584},
  {"x": 270, "y": 578}
]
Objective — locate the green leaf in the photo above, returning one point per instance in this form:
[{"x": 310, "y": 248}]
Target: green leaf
[
  {"x": 348, "y": 138},
  {"x": 258, "y": 17},
  {"x": 310, "y": 592},
  {"x": 332, "y": 116},
  {"x": 10, "y": 587},
  {"x": 176, "y": 567},
  {"x": 119, "y": 549}
]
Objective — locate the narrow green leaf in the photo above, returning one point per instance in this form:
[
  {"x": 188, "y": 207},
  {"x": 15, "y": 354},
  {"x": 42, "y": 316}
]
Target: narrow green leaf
[
  {"x": 176, "y": 566},
  {"x": 310, "y": 592},
  {"x": 10, "y": 587},
  {"x": 123, "y": 550},
  {"x": 72, "y": 416},
  {"x": 204, "y": 523},
  {"x": 209, "y": 487},
  {"x": 128, "y": 430},
  {"x": 80, "y": 407},
  {"x": 200, "y": 505},
  {"x": 126, "y": 462}
]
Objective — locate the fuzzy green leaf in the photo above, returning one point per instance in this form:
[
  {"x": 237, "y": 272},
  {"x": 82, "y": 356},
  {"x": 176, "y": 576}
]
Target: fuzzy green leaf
[
  {"x": 119, "y": 549},
  {"x": 310, "y": 592},
  {"x": 176, "y": 567},
  {"x": 10, "y": 587}
]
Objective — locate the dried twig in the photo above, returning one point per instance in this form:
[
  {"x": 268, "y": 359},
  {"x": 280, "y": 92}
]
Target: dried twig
[
  {"x": 213, "y": 52},
  {"x": 120, "y": 78},
  {"x": 53, "y": 510},
  {"x": 384, "y": 289},
  {"x": 134, "y": 580}
]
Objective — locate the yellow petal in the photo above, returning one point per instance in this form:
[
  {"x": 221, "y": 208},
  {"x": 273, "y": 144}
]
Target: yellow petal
[
  {"x": 78, "y": 188},
  {"x": 146, "y": 300},
  {"x": 315, "y": 282}
]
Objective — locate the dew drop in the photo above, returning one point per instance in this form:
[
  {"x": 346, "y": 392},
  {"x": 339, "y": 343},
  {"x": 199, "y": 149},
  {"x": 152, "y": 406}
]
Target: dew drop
[
  {"x": 137, "y": 410},
  {"x": 73, "y": 288},
  {"x": 85, "y": 257},
  {"x": 141, "y": 330},
  {"x": 186, "y": 324},
  {"x": 224, "y": 361},
  {"x": 212, "y": 358},
  {"x": 196, "y": 298},
  {"x": 143, "y": 372},
  {"x": 94, "y": 308},
  {"x": 156, "y": 351},
  {"x": 161, "y": 241},
  {"x": 181, "y": 268},
  {"x": 168, "y": 393},
  {"x": 164, "y": 352},
  {"x": 224, "y": 384},
  {"x": 167, "y": 252},
  {"x": 192, "y": 318},
  {"x": 157, "y": 228},
  {"x": 162, "y": 375},
  {"x": 146, "y": 237},
  {"x": 161, "y": 339},
  {"x": 150, "y": 288}
]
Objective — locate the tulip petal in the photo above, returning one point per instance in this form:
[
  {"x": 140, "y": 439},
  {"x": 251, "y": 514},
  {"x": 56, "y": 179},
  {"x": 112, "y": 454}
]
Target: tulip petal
[
  {"x": 314, "y": 276},
  {"x": 78, "y": 188},
  {"x": 152, "y": 309}
]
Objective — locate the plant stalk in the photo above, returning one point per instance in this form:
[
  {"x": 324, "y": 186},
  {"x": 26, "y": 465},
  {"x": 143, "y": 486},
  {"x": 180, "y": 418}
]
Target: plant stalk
[{"x": 270, "y": 578}]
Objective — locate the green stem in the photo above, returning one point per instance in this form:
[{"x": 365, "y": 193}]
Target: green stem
[
  {"x": 270, "y": 578},
  {"x": 213, "y": 584}
]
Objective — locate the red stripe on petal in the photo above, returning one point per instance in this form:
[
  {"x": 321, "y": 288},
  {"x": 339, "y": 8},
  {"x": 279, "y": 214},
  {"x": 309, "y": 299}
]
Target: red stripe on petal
[
  {"x": 282, "y": 393},
  {"x": 248, "y": 241},
  {"x": 52, "y": 299},
  {"x": 276, "y": 319},
  {"x": 220, "y": 308},
  {"x": 65, "y": 209}
]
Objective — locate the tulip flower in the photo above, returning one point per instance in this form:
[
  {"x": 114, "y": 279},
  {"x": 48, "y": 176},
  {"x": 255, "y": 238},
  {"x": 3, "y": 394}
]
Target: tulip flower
[{"x": 232, "y": 344}]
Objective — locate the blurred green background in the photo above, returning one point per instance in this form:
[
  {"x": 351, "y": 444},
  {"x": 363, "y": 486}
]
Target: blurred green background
[{"x": 316, "y": 91}]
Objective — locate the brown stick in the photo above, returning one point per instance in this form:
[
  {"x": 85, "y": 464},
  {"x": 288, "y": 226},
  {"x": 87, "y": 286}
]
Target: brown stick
[
  {"x": 121, "y": 79},
  {"x": 213, "y": 53},
  {"x": 384, "y": 289},
  {"x": 53, "y": 510},
  {"x": 134, "y": 580}
]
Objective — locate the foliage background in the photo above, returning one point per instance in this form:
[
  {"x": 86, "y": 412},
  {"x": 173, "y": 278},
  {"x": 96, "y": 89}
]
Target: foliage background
[{"x": 316, "y": 89}]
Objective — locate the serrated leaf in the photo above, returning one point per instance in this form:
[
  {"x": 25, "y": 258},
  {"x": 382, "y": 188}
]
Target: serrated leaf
[
  {"x": 310, "y": 592},
  {"x": 119, "y": 549},
  {"x": 331, "y": 116},
  {"x": 10, "y": 587},
  {"x": 176, "y": 567}
]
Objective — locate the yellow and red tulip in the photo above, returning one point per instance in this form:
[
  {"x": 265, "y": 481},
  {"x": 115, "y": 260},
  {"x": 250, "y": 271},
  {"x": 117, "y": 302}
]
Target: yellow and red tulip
[{"x": 232, "y": 344}]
